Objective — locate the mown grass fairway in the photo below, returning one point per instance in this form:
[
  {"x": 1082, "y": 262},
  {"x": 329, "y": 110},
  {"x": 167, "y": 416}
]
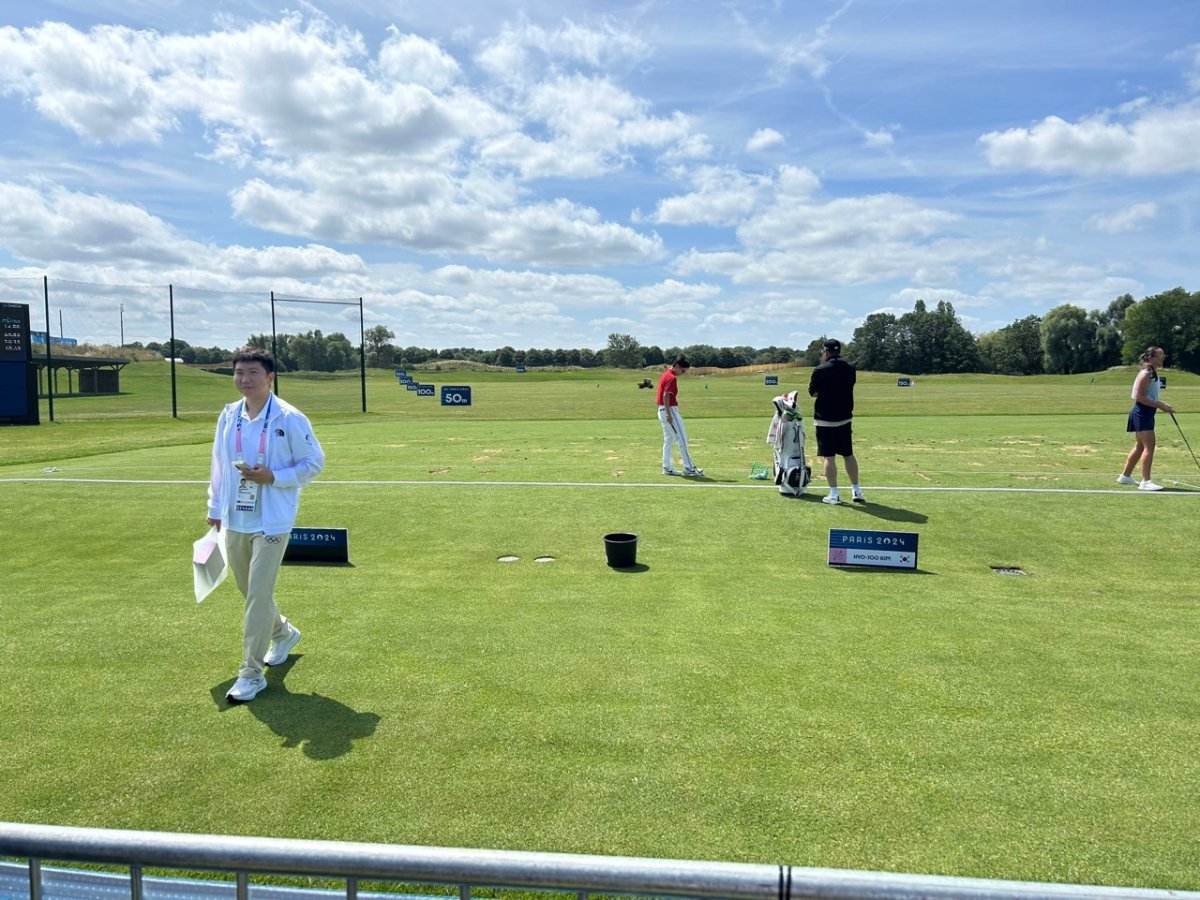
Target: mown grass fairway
[{"x": 733, "y": 698}]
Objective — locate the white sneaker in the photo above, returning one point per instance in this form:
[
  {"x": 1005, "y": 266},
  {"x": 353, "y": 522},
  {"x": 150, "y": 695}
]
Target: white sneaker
[
  {"x": 857, "y": 496},
  {"x": 1125, "y": 479},
  {"x": 671, "y": 472},
  {"x": 279, "y": 650},
  {"x": 832, "y": 499},
  {"x": 1149, "y": 486},
  {"x": 693, "y": 471},
  {"x": 246, "y": 689}
]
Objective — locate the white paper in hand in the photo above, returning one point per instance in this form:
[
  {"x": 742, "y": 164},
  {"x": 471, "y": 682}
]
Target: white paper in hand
[{"x": 208, "y": 563}]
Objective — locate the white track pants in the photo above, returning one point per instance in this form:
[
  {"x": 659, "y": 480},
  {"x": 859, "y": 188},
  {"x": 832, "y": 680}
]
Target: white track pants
[{"x": 674, "y": 433}]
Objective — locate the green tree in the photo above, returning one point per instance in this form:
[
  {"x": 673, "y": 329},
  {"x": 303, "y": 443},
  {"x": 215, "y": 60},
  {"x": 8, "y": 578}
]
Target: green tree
[
  {"x": 1015, "y": 349},
  {"x": 380, "y": 353},
  {"x": 874, "y": 344},
  {"x": 1170, "y": 320},
  {"x": 1068, "y": 340},
  {"x": 623, "y": 351},
  {"x": 812, "y": 353}
]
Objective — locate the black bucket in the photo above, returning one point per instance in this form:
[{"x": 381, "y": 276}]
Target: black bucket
[{"x": 621, "y": 549}]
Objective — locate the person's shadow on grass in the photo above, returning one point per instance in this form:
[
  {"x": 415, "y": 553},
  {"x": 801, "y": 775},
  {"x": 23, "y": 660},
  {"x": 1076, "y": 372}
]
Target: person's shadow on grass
[
  {"x": 878, "y": 510},
  {"x": 891, "y": 513},
  {"x": 323, "y": 727}
]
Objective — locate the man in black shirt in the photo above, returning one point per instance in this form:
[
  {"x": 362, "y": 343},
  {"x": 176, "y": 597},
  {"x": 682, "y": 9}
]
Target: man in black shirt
[{"x": 832, "y": 384}]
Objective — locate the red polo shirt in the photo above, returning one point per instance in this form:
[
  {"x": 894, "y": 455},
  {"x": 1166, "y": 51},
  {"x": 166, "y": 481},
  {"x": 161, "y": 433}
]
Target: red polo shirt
[{"x": 668, "y": 384}]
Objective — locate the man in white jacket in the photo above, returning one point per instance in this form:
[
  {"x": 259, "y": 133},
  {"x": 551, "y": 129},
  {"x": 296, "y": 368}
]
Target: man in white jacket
[{"x": 263, "y": 453}]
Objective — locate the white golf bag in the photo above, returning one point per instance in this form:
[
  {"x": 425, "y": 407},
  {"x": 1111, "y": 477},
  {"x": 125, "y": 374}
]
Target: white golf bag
[{"x": 786, "y": 435}]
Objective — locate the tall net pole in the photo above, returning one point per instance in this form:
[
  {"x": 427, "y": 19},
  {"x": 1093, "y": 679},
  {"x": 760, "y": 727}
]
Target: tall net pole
[
  {"x": 174, "y": 397},
  {"x": 274, "y": 352},
  {"x": 362, "y": 353},
  {"x": 49, "y": 361}
]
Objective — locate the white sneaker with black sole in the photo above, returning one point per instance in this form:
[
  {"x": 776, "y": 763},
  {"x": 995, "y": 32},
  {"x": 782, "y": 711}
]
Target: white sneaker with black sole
[
  {"x": 858, "y": 497},
  {"x": 279, "y": 650},
  {"x": 246, "y": 689},
  {"x": 832, "y": 499}
]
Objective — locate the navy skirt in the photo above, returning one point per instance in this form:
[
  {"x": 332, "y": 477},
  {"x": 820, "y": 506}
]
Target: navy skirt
[{"x": 1141, "y": 418}]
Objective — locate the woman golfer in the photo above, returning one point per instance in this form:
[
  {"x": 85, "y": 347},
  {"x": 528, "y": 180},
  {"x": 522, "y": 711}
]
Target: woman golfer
[{"x": 1141, "y": 419}]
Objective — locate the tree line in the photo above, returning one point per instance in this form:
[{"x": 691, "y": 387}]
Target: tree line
[{"x": 1065, "y": 341}]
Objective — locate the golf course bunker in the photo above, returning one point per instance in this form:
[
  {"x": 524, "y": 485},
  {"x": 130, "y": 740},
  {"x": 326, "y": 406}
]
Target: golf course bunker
[
  {"x": 507, "y": 559},
  {"x": 544, "y": 559},
  {"x": 1008, "y": 570}
]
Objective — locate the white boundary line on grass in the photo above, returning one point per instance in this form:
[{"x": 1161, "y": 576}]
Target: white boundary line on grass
[{"x": 676, "y": 485}]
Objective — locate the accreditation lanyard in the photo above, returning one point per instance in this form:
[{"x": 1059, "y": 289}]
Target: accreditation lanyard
[{"x": 247, "y": 492}]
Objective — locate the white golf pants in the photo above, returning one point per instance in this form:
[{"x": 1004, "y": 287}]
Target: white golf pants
[{"x": 674, "y": 433}]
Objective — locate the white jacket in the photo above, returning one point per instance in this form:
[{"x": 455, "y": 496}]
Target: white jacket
[{"x": 292, "y": 453}]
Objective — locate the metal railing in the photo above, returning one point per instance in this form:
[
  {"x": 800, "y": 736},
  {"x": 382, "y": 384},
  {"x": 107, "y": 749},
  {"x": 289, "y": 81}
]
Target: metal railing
[{"x": 466, "y": 868}]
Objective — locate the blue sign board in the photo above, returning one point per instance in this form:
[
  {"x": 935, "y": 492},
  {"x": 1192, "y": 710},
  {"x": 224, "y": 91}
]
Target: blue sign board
[
  {"x": 520, "y": 368},
  {"x": 456, "y": 395},
  {"x": 328, "y": 545},
  {"x": 410, "y": 385},
  {"x": 771, "y": 379},
  {"x": 885, "y": 549},
  {"x": 903, "y": 382},
  {"x": 425, "y": 390},
  {"x": 400, "y": 373}
]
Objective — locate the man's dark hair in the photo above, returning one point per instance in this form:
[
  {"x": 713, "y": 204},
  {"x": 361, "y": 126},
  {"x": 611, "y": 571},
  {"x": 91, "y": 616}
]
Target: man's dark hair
[
  {"x": 259, "y": 355},
  {"x": 682, "y": 362}
]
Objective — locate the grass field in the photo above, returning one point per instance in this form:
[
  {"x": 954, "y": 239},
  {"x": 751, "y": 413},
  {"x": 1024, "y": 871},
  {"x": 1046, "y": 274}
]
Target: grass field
[{"x": 731, "y": 698}]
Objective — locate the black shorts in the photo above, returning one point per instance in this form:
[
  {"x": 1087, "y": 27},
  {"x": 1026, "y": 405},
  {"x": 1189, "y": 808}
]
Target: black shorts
[
  {"x": 834, "y": 440},
  {"x": 1141, "y": 418}
]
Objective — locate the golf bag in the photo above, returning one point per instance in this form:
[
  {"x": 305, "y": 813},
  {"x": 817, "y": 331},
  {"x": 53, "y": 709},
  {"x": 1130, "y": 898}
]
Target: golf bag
[{"x": 786, "y": 435}]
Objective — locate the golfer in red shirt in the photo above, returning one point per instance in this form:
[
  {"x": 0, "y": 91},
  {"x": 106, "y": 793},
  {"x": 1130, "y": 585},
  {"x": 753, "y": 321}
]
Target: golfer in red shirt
[{"x": 672, "y": 422}]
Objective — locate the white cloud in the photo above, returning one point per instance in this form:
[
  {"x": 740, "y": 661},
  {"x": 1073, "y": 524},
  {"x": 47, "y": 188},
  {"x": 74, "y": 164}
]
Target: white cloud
[
  {"x": 72, "y": 229},
  {"x": 592, "y": 125},
  {"x": 878, "y": 139},
  {"x": 521, "y": 53},
  {"x": 722, "y": 196},
  {"x": 346, "y": 149},
  {"x": 810, "y": 52},
  {"x": 411, "y": 59},
  {"x": 791, "y": 237},
  {"x": 103, "y": 85},
  {"x": 764, "y": 139},
  {"x": 1123, "y": 221},
  {"x": 1155, "y": 140},
  {"x": 1192, "y": 54}
]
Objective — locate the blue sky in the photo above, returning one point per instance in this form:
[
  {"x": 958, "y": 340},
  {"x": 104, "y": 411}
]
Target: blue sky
[{"x": 543, "y": 174}]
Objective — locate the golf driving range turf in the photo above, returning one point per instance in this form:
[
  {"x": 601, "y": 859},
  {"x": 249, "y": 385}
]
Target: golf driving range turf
[{"x": 732, "y": 697}]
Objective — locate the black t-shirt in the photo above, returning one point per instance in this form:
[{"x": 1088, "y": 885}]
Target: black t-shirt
[{"x": 832, "y": 383}]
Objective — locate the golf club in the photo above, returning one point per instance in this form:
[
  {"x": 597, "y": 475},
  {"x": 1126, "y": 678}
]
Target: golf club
[{"x": 1185, "y": 441}]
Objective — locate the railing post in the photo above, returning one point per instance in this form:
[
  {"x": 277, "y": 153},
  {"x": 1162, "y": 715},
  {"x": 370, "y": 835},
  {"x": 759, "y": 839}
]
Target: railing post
[
  {"x": 464, "y": 892},
  {"x": 35, "y": 872},
  {"x": 351, "y": 889},
  {"x": 243, "y": 886},
  {"x": 135, "y": 882}
]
